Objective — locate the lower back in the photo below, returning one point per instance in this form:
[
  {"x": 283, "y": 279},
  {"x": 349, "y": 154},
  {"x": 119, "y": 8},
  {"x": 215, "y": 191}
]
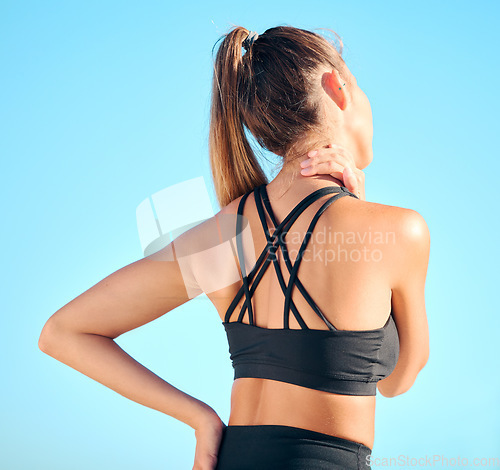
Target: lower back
[{"x": 262, "y": 401}]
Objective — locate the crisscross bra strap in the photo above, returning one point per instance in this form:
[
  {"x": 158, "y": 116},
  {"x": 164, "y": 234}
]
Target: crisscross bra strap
[
  {"x": 269, "y": 253},
  {"x": 241, "y": 260},
  {"x": 263, "y": 195}
]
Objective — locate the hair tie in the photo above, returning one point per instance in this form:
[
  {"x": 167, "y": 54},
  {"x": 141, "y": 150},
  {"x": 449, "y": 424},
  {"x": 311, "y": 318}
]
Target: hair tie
[{"x": 250, "y": 39}]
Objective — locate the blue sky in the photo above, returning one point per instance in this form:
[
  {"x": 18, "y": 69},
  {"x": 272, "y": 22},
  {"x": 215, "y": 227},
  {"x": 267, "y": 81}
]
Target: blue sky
[{"x": 105, "y": 103}]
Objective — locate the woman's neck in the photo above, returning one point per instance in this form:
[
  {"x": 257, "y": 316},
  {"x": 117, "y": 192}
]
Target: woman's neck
[{"x": 290, "y": 180}]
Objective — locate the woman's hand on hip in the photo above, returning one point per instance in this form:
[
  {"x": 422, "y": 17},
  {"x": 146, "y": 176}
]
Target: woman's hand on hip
[
  {"x": 208, "y": 439},
  {"x": 338, "y": 162}
]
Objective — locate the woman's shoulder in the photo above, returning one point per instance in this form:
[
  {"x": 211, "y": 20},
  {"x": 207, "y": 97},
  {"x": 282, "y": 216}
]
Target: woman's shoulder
[
  {"x": 211, "y": 231},
  {"x": 232, "y": 207},
  {"x": 384, "y": 213},
  {"x": 408, "y": 225}
]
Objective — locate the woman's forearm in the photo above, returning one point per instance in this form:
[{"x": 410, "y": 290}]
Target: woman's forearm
[{"x": 103, "y": 360}]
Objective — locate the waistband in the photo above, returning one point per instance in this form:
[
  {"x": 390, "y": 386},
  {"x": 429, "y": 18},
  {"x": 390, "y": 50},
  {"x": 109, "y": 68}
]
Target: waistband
[{"x": 267, "y": 430}]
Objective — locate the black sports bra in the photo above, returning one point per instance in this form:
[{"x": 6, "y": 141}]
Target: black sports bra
[{"x": 346, "y": 362}]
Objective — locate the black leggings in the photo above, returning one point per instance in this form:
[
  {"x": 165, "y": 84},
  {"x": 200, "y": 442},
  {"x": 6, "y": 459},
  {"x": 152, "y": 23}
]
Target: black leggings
[{"x": 276, "y": 447}]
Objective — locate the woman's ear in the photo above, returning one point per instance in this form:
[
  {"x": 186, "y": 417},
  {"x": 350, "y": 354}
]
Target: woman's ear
[{"x": 334, "y": 87}]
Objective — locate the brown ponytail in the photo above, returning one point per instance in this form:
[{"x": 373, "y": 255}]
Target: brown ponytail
[{"x": 268, "y": 90}]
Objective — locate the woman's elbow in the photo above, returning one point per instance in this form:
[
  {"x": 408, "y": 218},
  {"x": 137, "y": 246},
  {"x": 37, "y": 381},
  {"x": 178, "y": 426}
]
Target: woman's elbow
[
  {"x": 43, "y": 339},
  {"x": 399, "y": 389},
  {"x": 48, "y": 336},
  {"x": 391, "y": 387}
]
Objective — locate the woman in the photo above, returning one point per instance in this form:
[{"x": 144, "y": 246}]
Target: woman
[{"x": 309, "y": 352}]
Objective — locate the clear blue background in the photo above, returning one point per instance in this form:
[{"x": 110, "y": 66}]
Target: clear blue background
[{"x": 103, "y": 103}]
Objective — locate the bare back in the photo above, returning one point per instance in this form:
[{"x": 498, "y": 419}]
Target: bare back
[{"x": 346, "y": 269}]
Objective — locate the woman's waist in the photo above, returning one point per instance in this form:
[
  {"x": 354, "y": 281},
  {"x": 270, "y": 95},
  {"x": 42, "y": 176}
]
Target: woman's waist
[{"x": 269, "y": 402}]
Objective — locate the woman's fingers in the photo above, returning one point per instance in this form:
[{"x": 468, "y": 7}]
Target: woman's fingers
[
  {"x": 338, "y": 162},
  {"x": 317, "y": 157},
  {"x": 342, "y": 173},
  {"x": 328, "y": 167}
]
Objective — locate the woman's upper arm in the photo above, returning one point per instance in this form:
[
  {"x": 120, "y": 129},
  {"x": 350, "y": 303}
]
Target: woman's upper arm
[
  {"x": 408, "y": 300},
  {"x": 126, "y": 299}
]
